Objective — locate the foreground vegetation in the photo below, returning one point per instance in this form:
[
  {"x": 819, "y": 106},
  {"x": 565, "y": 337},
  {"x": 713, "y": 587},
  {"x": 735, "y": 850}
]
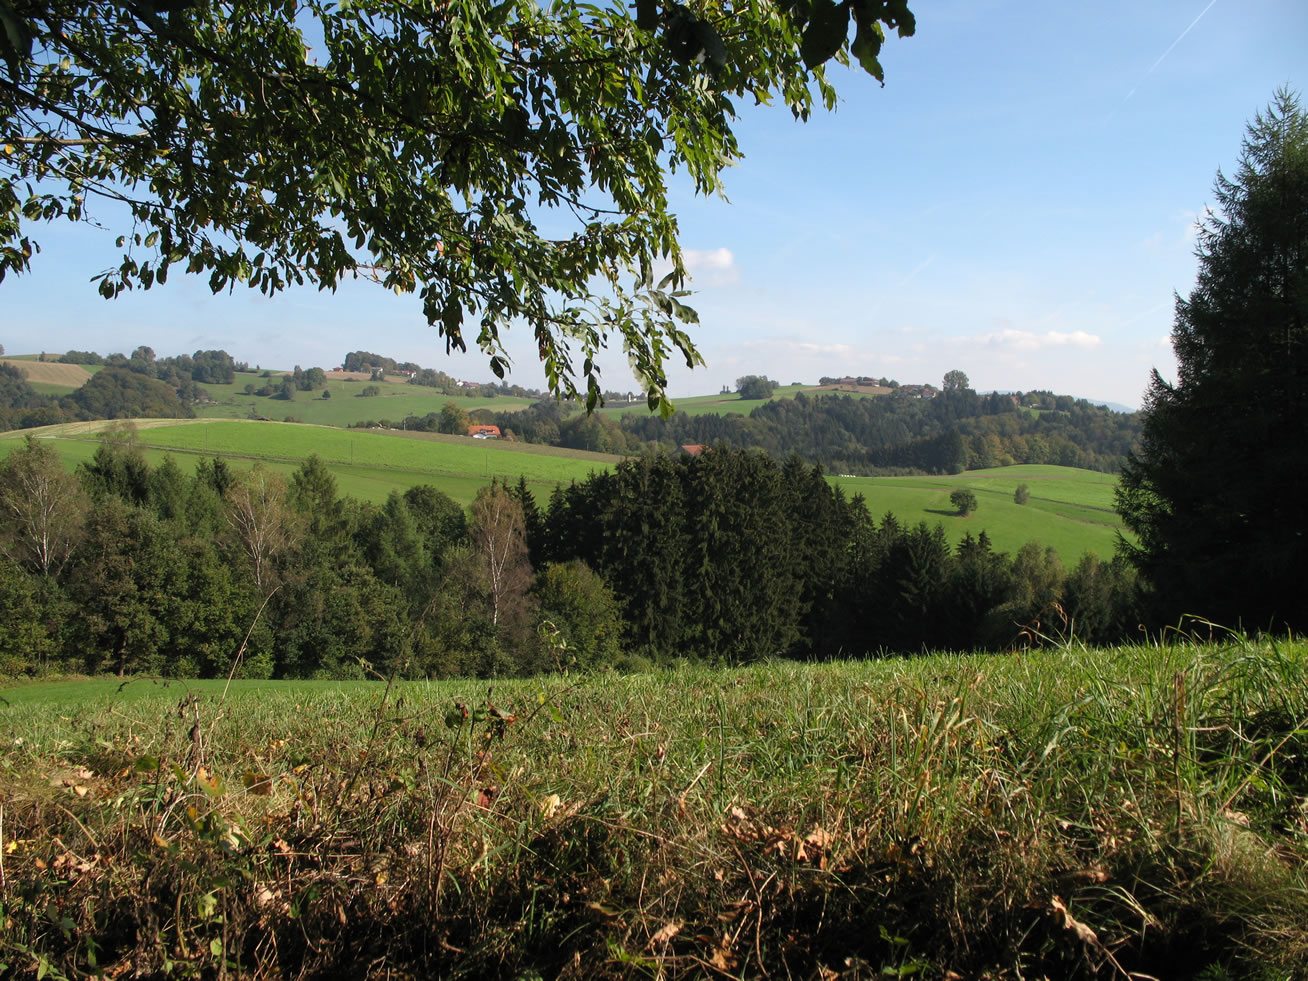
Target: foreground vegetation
[{"x": 1135, "y": 811}]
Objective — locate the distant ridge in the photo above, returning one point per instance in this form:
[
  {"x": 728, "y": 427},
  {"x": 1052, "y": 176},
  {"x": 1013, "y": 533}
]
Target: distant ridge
[{"x": 1112, "y": 406}]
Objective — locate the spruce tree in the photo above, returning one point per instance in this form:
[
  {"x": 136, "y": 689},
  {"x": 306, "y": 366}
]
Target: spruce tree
[{"x": 1212, "y": 490}]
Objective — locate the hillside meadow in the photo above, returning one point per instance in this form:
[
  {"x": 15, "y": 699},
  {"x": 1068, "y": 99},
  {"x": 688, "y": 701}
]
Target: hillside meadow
[
  {"x": 1069, "y": 510},
  {"x": 733, "y": 404},
  {"x": 51, "y": 378},
  {"x": 368, "y": 464},
  {"x": 346, "y": 406},
  {"x": 1067, "y": 813}
]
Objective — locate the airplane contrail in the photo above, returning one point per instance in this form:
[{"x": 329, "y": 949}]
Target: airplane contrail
[{"x": 1178, "y": 40}]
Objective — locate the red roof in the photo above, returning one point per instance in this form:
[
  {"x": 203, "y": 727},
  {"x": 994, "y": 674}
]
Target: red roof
[{"x": 488, "y": 430}]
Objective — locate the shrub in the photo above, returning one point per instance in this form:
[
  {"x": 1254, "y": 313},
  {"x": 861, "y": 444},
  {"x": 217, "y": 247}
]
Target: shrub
[{"x": 964, "y": 501}]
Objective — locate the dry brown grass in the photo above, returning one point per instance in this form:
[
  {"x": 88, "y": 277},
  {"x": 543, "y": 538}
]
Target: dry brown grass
[{"x": 49, "y": 373}]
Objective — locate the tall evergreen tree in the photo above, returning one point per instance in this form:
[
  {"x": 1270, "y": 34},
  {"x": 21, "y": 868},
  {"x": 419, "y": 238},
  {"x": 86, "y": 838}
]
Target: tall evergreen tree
[{"x": 1211, "y": 492}]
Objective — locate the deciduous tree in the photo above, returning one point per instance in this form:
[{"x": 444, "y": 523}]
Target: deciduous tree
[
  {"x": 963, "y": 500},
  {"x": 506, "y": 162},
  {"x": 264, "y": 524},
  {"x": 454, "y": 420},
  {"x": 43, "y": 509},
  {"x": 956, "y": 381},
  {"x": 755, "y": 387}
]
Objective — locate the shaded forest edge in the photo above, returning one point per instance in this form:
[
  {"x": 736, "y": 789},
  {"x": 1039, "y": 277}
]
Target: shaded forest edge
[
  {"x": 725, "y": 558},
  {"x": 1068, "y": 813}
]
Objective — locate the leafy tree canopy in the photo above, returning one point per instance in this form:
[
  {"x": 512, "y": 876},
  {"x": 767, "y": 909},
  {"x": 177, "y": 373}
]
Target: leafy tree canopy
[
  {"x": 1211, "y": 492},
  {"x": 117, "y": 393},
  {"x": 755, "y": 387},
  {"x": 956, "y": 381},
  {"x": 505, "y": 162},
  {"x": 964, "y": 501}
]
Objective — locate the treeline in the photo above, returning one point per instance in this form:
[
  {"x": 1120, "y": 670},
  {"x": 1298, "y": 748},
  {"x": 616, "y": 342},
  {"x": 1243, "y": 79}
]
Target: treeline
[
  {"x": 134, "y": 569},
  {"x": 952, "y": 432},
  {"x": 137, "y": 387},
  {"x": 112, "y": 393},
  {"x": 378, "y": 365},
  {"x": 729, "y": 557},
  {"x": 202, "y": 367}
]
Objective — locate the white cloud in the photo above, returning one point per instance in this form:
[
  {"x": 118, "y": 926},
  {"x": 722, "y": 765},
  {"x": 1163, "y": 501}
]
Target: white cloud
[
  {"x": 712, "y": 267},
  {"x": 786, "y": 347},
  {"x": 1012, "y": 339},
  {"x": 704, "y": 267}
]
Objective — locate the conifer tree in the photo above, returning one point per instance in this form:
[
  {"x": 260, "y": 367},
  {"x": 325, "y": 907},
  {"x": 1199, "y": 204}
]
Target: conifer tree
[{"x": 1211, "y": 492}]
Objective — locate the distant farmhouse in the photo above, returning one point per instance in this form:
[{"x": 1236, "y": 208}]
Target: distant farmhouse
[{"x": 484, "y": 432}]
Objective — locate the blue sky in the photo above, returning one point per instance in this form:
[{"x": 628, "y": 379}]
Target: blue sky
[{"x": 1017, "y": 202}]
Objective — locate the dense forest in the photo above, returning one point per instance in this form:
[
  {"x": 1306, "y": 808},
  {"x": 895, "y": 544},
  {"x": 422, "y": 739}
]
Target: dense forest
[{"x": 728, "y": 557}]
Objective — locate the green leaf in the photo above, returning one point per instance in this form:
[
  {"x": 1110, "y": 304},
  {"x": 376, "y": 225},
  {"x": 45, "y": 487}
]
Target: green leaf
[
  {"x": 826, "y": 32},
  {"x": 866, "y": 48},
  {"x": 647, "y": 14}
]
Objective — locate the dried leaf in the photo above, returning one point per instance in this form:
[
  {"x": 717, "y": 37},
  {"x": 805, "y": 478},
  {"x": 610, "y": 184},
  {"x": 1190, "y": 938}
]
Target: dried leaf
[
  {"x": 819, "y": 838},
  {"x": 722, "y": 958},
  {"x": 666, "y": 932},
  {"x": 1083, "y": 932},
  {"x": 257, "y": 783}
]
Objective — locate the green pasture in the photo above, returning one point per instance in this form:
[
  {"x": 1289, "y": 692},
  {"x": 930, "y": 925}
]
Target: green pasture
[
  {"x": 372, "y": 484},
  {"x": 346, "y": 406},
  {"x": 708, "y": 405},
  {"x": 101, "y": 692},
  {"x": 1069, "y": 510},
  {"x": 368, "y": 464}
]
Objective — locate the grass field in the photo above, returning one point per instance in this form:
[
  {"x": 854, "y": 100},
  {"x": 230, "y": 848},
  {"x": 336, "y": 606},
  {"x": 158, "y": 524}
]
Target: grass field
[
  {"x": 56, "y": 379},
  {"x": 1135, "y": 812},
  {"x": 732, "y": 404},
  {"x": 1069, "y": 510},
  {"x": 368, "y": 464},
  {"x": 345, "y": 407}
]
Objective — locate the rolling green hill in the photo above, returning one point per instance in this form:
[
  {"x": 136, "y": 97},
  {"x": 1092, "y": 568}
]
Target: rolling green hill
[
  {"x": 368, "y": 464},
  {"x": 732, "y": 404},
  {"x": 1069, "y": 509},
  {"x": 346, "y": 406}
]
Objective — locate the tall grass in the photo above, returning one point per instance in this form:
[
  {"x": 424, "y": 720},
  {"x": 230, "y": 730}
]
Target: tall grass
[{"x": 1136, "y": 811}]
